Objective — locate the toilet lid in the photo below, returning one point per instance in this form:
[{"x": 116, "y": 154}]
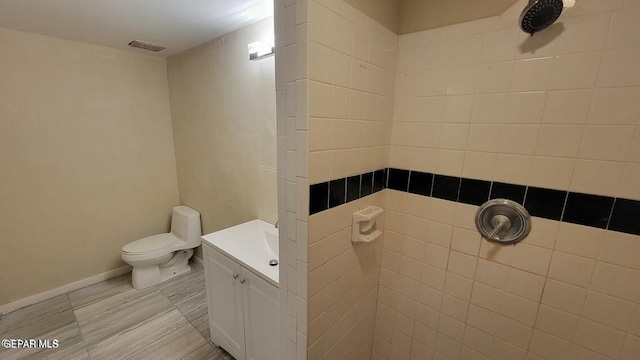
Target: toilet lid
[{"x": 150, "y": 244}]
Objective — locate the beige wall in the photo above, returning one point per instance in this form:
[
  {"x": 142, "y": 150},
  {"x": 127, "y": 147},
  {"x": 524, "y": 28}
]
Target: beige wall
[
  {"x": 223, "y": 113},
  {"x": 559, "y": 110},
  {"x": 352, "y": 60},
  {"x": 87, "y": 159}
]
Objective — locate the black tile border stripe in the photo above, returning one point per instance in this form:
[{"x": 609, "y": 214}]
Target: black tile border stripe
[{"x": 603, "y": 212}]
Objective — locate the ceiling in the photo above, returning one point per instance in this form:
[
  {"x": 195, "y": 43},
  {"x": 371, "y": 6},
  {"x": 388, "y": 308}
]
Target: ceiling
[
  {"x": 418, "y": 15},
  {"x": 177, "y": 25},
  {"x": 407, "y": 16}
]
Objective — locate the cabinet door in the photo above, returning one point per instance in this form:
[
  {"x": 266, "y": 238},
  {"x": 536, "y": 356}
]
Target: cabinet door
[
  {"x": 261, "y": 317},
  {"x": 224, "y": 301}
]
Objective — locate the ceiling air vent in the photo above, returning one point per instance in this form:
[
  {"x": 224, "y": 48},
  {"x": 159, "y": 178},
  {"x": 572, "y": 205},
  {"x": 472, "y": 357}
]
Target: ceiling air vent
[{"x": 146, "y": 45}]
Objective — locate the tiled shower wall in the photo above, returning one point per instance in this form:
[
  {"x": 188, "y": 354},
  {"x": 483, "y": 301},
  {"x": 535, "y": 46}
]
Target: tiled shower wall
[
  {"x": 351, "y": 77},
  {"x": 290, "y": 17},
  {"x": 558, "y": 110},
  {"x": 351, "y": 70}
]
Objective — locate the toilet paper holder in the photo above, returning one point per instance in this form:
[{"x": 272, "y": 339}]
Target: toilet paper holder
[{"x": 363, "y": 228}]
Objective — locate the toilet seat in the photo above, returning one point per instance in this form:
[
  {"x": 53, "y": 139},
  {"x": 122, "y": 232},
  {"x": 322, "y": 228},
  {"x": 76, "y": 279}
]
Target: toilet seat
[{"x": 151, "y": 244}]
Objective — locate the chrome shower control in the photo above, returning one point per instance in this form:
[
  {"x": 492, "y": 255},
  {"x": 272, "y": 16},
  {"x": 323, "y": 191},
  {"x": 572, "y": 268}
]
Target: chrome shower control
[
  {"x": 500, "y": 223},
  {"x": 503, "y": 221}
]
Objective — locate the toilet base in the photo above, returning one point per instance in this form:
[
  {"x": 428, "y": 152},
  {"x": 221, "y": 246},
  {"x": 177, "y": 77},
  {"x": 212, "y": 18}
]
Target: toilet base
[{"x": 178, "y": 264}]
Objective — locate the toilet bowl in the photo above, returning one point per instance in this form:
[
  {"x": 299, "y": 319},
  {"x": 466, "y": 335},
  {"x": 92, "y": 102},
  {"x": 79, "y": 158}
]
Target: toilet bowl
[{"x": 161, "y": 257}]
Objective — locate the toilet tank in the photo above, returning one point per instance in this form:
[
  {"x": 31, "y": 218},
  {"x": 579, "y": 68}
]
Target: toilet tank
[{"x": 185, "y": 224}]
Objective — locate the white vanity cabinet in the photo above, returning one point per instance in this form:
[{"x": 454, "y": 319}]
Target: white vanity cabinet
[{"x": 243, "y": 308}]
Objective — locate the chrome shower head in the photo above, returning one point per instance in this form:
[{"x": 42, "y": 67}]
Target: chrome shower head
[{"x": 539, "y": 15}]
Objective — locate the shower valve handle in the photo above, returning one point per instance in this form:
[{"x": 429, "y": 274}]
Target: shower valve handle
[{"x": 499, "y": 222}]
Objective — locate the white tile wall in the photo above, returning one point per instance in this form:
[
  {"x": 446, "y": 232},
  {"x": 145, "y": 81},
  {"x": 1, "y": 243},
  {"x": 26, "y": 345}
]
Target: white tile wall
[
  {"x": 557, "y": 110},
  {"x": 566, "y": 97},
  {"x": 293, "y": 172},
  {"x": 351, "y": 75},
  {"x": 458, "y": 97}
]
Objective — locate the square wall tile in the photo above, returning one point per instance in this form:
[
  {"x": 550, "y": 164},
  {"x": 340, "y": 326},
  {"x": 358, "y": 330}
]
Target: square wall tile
[
  {"x": 584, "y": 33},
  {"x": 525, "y": 284},
  {"x": 615, "y": 106},
  {"x": 519, "y": 139},
  {"x": 567, "y": 107},
  {"x": 446, "y": 187},
  {"x": 545, "y": 203},
  {"x": 618, "y": 68},
  {"x": 599, "y": 338},
  {"x": 557, "y": 323},
  {"x": 494, "y": 78},
  {"x": 551, "y": 172},
  {"x": 508, "y": 191},
  {"x": 572, "y": 269},
  {"x": 525, "y": 108},
  {"x": 559, "y": 140},
  {"x": 606, "y": 143},
  {"x": 579, "y": 240},
  {"x": 629, "y": 188},
  {"x": 461, "y": 80},
  {"x": 321, "y": 24},
  {"x": 563, "y": 296},
  {"x": 597, "y": 177},
  {"x": 531, "y": 258},
  {"x": 420, "y": 183},
  {"x": 623, "y": 31},
  {"x": 590, "y": 210},
  {"x": 531, "y": 74},
  {"x": 479, "y": 165},
  {"x": 457, "y": 109},
  {"x": 319, "y": 99},
  {"x": 319, "y": 197},
  {"x": 474, "y": 192},
  {"x": 608, "y": 310},
  {"x": 576, "y": 71},
  {"x": 499, "y": 45},
  {"x": 631, "y": 347},
  {"x": 623, "y": 217},
  {"x": 343, "y": 34},
  {"x": 489, "y": 109},
  {"x": 337, "y": 192},
  {"x": 620, "y": 249},
  {"x": 514, "y": 169},
  {"x": 483, "y": 137},
  {"x": 616, "y": 281}
]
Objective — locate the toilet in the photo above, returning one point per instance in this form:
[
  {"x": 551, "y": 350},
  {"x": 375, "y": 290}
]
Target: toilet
[{"x": 161, "y": 257}]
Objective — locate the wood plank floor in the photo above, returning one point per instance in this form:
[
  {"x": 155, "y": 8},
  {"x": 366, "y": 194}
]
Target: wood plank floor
[{"x": 112, "y": 320}]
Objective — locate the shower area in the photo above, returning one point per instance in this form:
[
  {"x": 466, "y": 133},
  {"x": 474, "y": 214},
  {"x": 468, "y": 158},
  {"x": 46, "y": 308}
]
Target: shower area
[{"x": 429, "y": 120}]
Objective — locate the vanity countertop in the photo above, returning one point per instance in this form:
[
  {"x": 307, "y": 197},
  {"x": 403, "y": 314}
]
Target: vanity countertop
[{"x": 252, "y": 244}]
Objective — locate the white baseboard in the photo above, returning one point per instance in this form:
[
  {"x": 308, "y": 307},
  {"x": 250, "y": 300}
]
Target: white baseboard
[
  {"x": 33, "y": 299},
  {"x": 198, "y": 261}
]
